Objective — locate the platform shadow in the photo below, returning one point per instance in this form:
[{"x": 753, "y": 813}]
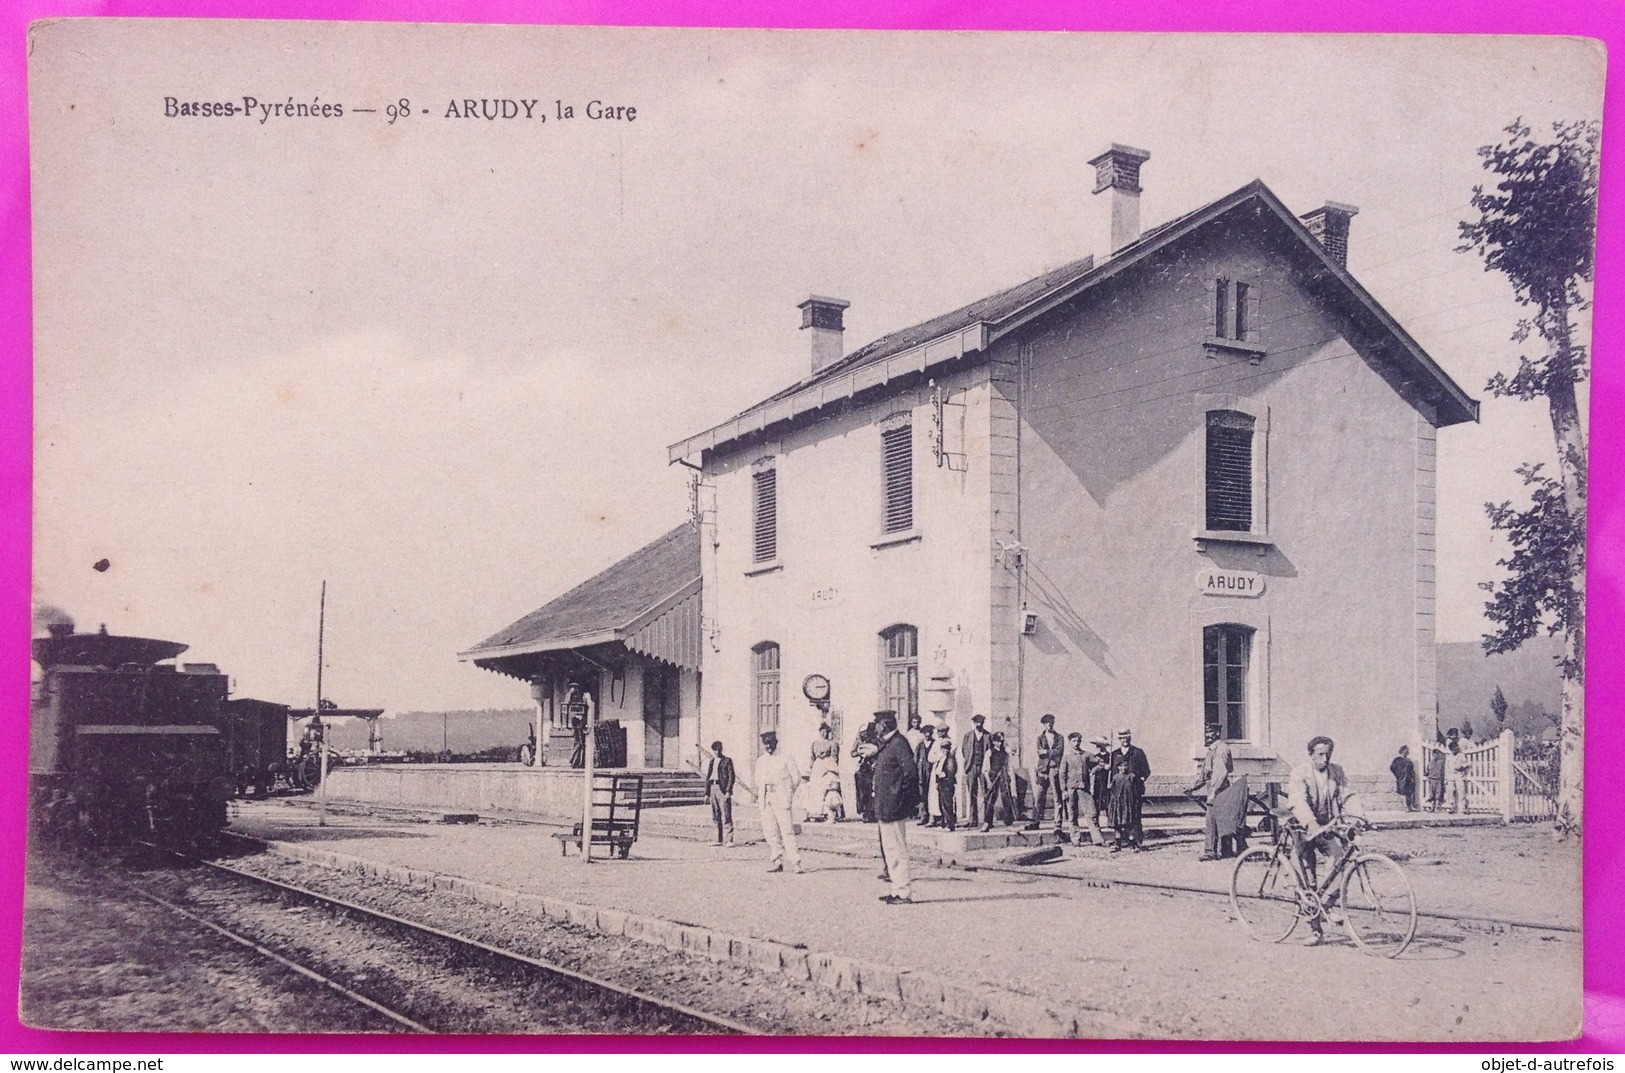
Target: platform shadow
[{"x": 988, "y": 898}]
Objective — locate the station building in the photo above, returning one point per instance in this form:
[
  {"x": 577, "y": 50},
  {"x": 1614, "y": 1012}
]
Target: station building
[{"x": 1187, "y": 482}]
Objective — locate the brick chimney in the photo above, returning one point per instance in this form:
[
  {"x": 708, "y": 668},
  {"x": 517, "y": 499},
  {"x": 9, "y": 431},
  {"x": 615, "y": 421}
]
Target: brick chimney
[
  {"x": 1117, "y": 171},
  {"x": 823, "y": 316},
  {"x": 1330, "y": 226}
]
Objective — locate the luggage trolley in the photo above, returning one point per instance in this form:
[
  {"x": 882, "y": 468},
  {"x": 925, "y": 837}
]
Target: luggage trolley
[{"x": 617, "y": 803}]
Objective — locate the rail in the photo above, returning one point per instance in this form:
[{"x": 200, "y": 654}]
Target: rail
[{"x": 679, "y": 1012}]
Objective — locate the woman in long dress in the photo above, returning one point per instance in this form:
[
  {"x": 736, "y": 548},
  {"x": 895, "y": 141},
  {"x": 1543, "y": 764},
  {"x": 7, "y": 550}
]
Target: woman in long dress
[
  {"x": 825, "y": 777},
  {"x": 1125, "y": 802}
]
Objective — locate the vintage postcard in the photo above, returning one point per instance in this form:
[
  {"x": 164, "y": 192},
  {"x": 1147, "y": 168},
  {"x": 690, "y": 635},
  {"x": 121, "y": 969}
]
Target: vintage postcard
[{"x": 809, "y": 533}]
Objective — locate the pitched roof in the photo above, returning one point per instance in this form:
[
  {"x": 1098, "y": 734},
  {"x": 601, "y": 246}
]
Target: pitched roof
[
  {"x": 974, "y": 327},
  {"x": 991, "y": 308},
  {"x": 608, "y": 606}
]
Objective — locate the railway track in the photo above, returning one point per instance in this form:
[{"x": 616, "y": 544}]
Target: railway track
[{"x": 625, "y": 1009}]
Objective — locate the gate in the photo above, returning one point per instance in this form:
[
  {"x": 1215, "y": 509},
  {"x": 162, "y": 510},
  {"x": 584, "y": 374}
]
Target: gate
[{"x": 1497, "y": 782}]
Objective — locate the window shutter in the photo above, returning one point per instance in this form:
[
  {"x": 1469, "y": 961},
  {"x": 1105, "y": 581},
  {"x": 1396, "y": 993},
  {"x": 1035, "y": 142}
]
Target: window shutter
[
  {"x": 897, "y": 453},
  {"x": 1221, "y": 309},
  {"x": 1243, "y": 311},
  {"x": 1229, "y": 471},
  {"x": 767, "y": 515}
]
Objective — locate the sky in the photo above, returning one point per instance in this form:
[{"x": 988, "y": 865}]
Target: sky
[{"x": 437, "y": 362}]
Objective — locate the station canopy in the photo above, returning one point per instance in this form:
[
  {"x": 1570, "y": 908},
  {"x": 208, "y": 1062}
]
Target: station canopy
[{"x": 648, "y": 603}]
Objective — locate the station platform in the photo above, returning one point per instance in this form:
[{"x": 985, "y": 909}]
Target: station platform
[{"x": 1086, "y": 945}]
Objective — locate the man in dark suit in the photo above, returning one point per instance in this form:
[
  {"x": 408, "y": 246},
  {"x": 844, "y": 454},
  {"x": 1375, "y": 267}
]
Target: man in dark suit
[
  {"x": 719, "y": 790},
  {"x": 973, "y": 765},
  {"x": 863, "y": 779},
  {"x": 1051, "y": 752},
  {"x": 897, "y": 796},
  {"x": 922, "y": 763}
]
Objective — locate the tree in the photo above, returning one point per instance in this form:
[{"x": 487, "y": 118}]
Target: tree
[
  {"x": 1537, "y": 228},
  {"x": 1498, "y": 705},
  {"x": 1467, "y": 731}
]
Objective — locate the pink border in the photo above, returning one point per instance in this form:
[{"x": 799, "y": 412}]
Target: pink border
[{"x": 1602, "y": 19}]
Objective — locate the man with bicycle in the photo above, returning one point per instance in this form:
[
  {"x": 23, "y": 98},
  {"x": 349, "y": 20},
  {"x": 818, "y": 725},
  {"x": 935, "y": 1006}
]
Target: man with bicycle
[{"x": 1315, "y": 793}]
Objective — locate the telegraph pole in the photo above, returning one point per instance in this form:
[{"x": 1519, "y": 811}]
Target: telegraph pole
[{"x": 321, "y": 631}]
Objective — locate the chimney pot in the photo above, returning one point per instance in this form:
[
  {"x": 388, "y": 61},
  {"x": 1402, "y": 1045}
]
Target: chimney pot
[
  {"x": 1117, "y": 170},
  {"x": 1330, "y": 226},
  {"x": 823, "y": 316}
]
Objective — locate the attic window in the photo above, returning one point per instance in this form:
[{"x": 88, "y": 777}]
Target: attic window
[{"x": 1235, "y": 318}]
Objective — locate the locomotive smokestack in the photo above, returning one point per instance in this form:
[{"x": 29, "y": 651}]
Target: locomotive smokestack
[{"x": 51, "y": 619}]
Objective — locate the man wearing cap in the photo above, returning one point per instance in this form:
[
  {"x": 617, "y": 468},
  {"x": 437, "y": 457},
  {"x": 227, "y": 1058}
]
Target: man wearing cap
[
  {"x": 1213, "y": 779},
  {"x": 1075, "y": 789},
  {"x": 897, "y": 796},
  {"x": 973, "y": 764},
  {"x": 1457, "y": 767},
  {"x": 1100, "y": 776},
  {"x": 864, "y": 748},
  {"x": 719, "y": 790},
  {"x": 777, "y": 778},
  {"x": 1051, "y": 752},
  {"x": 922, "y": 764}
]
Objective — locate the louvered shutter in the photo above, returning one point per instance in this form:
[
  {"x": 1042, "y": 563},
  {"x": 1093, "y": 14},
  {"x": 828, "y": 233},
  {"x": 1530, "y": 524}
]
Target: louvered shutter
[
  {"x": 766, "y": 515},
  {"x": 897, "y": 452},
  {"x": 1221, "y": 308},
  {"x": 1229, "y": 471}
]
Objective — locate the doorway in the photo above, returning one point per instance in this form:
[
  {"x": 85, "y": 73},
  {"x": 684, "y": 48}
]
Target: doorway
[{"x": 662, "y": 706}]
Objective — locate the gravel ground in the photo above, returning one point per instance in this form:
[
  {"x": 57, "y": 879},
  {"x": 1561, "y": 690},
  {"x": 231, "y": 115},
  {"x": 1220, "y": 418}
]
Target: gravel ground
[
  {"x": 768, "y": 1001},
  {"x": 98, "y": 958},
  {"x": 1123, "y": 960},
  {"x": 93, "y": 960}
]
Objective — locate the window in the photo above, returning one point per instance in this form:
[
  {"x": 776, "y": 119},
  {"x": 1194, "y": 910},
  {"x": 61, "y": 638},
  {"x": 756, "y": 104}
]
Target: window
[
  {"x": 1234, "y": 312},
  {"x": 897, "y": 462},
  {"x": 765, "y": 514},
  {"x": 1226, "y": 655},
  {"x": 1229, "y": 472},
  {"x": 900, "y": 671},
  {"x": 765, "y": 664},
  {"x": 1232, "y": 470}
]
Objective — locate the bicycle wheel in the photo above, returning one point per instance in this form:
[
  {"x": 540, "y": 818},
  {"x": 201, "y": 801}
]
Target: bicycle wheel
[
  {"x": 1264, "y": 894},
  {"x": 1379, "y": 909}
]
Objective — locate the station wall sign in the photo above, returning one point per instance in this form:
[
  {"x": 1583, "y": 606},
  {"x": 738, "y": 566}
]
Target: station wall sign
[{"x": 1211, "y": 582}]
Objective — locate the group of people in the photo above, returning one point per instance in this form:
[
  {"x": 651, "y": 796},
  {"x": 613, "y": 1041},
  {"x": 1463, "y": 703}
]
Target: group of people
[
  {"x": 1444, "y": 771},
  {"x": 1075, "y": 781},
  {"x": 893, "y": 798},
  {"x": 910, "y": 777}
]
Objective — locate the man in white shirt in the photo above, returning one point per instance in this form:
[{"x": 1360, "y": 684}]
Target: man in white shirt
[
  {"x": 777, "y": 778},
  {"x": 1316, "y": 793}
]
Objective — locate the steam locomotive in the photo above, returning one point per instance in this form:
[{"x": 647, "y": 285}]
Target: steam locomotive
[{"x": 125, "y": 743}]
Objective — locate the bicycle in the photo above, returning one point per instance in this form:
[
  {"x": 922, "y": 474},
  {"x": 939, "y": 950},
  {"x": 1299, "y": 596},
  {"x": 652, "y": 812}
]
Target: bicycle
[{"x": 1377, "y": 905}]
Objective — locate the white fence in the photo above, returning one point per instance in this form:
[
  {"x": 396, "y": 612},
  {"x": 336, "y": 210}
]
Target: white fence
[{"x": 1495, "y": 781}]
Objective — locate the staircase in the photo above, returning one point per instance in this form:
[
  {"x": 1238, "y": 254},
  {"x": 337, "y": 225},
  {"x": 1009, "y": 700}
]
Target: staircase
[{"x": 666, "y": 789}]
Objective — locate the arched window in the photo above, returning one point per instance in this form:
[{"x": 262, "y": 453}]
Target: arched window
[
  {"x": 900, "y": 671},
  {"x": 1227, "y": 650},
  {"x": 765, "y": 669}
]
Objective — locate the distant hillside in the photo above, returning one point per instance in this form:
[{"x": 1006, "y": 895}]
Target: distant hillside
[
  {"x": 1528, "y": 677},
  {"x": 465, "y": 731}
]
